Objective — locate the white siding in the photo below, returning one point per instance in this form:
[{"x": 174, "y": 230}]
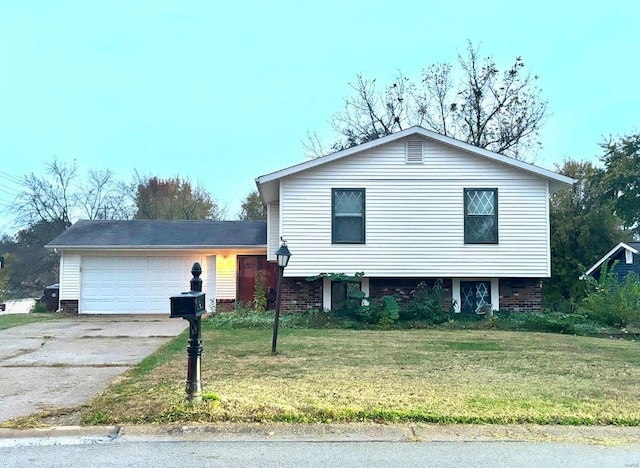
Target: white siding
[
  {"x": 226, "y": 276},
  {"x": 69, "y": 277},
  {"x": 414, "y": 216},
  {"x": 273, "y": 230}
]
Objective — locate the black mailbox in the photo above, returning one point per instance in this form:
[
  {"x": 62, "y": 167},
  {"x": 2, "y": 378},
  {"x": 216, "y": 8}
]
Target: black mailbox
[{"x": 189, "y": 304}]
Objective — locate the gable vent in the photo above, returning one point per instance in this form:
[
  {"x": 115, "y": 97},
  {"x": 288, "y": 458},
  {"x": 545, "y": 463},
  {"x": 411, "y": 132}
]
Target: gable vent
[{"x": 414, "y": 152}]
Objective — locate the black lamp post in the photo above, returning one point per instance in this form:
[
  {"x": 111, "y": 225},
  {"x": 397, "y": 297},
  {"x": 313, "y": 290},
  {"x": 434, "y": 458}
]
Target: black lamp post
[{"x": 283, "y": 255}]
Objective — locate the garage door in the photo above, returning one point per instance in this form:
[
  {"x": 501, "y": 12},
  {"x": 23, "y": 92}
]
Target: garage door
[{"x": 133, "y": 285}]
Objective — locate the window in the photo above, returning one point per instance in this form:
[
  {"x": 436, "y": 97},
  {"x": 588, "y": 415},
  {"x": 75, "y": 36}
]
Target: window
[
  {"x": 473, "y": 295},
  {"x": 348, "y": 216},
  {"x": 480, "y": 216},
  {"x": 342, "y": 294}
]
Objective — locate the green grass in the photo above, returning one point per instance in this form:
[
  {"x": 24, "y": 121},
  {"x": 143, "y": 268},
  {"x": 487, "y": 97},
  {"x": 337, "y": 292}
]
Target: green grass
[
  {"x": 13, "y": 320},
  {"x": 436, "y": 376}
]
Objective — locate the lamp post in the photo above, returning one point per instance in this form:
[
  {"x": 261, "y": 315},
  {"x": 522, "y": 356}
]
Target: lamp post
[{"x": 282, "y": 255}]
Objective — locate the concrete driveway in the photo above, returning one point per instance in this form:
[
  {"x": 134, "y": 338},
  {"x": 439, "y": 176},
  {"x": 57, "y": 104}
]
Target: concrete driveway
[{"x": 65, "y": 362}]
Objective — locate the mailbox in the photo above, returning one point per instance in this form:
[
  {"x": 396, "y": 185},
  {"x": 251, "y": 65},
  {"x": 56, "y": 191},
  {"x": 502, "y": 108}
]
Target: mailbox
[{"x": 187, "y": 305}]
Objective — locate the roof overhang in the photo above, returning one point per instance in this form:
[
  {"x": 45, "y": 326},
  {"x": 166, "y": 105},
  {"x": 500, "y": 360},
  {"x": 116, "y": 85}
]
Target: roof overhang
[
  {"x": 609, "y": 254},
  {"x": 268, "y": 184},
  {"x": 156, "y": 247}
]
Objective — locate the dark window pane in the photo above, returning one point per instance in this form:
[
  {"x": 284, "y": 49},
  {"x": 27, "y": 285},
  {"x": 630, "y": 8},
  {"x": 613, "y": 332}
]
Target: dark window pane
[
  {"x": 481, "y": 216},
  {"x": 348, "y": 216},
  {"x": 347, "y": 229}
]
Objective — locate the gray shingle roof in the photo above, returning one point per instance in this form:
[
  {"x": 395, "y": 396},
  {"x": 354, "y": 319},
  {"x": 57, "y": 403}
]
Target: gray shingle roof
[
  {"x": 154, "y": 234},
  {"x": 635, "y": 245}
]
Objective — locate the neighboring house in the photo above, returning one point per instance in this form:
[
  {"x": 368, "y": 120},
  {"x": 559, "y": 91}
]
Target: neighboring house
[
  {"x": 409, "y": 207},
  {"x": 621, "y": 260},
  {"x": 122, "y": 267}
]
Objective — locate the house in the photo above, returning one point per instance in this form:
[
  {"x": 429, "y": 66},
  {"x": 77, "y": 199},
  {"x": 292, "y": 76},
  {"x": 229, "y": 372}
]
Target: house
[
  {"x": 623, "y": 259},
  {"x": 409, "y": 207},
  {"x": 122, "y": 267}
]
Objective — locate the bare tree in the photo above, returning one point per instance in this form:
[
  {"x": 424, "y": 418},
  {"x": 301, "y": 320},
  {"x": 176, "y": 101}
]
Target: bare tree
[
  {"x": 61, "y": 196},
  {"x": 502, "y": 112}
]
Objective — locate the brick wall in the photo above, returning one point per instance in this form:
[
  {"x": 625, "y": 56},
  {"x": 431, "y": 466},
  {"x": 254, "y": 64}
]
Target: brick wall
[
  {"x": 402, "y": 288},
  {"x": 300, "y": 295},
  {"x": 225, "y": 305},
  {"x": 69, "y": 307},
  {"x": 520, "y": 294}
]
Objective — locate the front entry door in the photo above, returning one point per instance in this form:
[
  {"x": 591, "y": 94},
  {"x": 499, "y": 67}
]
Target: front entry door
[{"x": 248, "y": 266}]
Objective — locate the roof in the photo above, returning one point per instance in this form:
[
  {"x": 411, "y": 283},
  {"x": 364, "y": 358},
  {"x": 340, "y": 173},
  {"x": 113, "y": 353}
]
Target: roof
[
  {"x": 267, "y": 184},
  {"x": 633, "y": 247},
  {"x": 177, "y": 234}
]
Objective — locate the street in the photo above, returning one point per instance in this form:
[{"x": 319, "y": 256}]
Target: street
[{"x": 120, "y": 452}]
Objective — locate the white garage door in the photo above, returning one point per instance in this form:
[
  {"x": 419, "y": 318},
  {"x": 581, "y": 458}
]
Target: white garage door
[{"x": 133, "y": 285}]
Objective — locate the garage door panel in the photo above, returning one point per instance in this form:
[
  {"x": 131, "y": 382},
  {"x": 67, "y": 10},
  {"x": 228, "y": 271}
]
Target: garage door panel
[{"x": 131, "y": 285}]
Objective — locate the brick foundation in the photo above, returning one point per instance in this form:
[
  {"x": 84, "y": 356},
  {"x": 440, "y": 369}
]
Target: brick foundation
[
  {"x": 225, "y": 305},
  {"x": 69, "y": 307},
  {"x": 300, "y": 295},
  {"x": 402, "y": 289},
  {"x": 520, "y": 294},
  {"x": 516, "y": 294}
]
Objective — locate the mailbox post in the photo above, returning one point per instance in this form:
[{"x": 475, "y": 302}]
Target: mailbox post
[{"x": 190, "y": 306}]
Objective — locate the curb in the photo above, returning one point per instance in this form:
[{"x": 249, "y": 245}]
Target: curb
[{"x": 348, "y": 432}]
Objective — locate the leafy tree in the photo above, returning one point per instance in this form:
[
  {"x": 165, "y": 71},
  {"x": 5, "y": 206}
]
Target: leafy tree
[
  {"x": 252, "y": 208},
  {"x": 622, "y": 179},
  {"x": 583, "y": 228},
  {"x": 174, "y": 198},
  {"x": 479, "y": 104}
]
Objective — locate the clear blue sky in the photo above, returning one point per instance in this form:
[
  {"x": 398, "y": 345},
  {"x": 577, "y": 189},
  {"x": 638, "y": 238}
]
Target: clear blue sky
[{"x": 222, "y": 92}]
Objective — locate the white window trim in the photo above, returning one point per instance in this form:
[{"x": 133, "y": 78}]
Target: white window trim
[
  {"x": 326, "y": 292},
  {"x": 495, "y": 292}
]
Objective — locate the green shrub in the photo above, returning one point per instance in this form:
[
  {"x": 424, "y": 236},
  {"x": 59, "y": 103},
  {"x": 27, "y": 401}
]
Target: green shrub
[
  {"x": 39, "y": 308},
  {"x": 611, "y": 301},
  {"x": 387, "y": 311},
  {"x": 427, "y": 304},
  {"x": 260, "y": 293}
]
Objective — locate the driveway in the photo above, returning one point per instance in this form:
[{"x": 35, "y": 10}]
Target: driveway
[{"x": 66, "y": 362}]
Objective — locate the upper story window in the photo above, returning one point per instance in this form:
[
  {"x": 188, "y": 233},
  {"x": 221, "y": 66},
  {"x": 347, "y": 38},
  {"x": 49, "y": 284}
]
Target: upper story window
[
  {"x": 481, "y": 216},
  {"x": 347, "y": 207}
]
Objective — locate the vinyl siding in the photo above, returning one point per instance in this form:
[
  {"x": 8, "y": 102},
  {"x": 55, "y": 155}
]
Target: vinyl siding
[
  {"x": 226, "y": 276},
  {"x": 70, "y": 277},
  {"x": 273, "y": 226},
  {"x": 414, "y": 216}
]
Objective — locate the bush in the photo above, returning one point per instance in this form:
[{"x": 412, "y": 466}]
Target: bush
[
  {"x": 427, "y": 304},
  {"x": 611, "y": 301},
  {"x": 39, "y": 308},
  {"x": 387, "y": 311}
]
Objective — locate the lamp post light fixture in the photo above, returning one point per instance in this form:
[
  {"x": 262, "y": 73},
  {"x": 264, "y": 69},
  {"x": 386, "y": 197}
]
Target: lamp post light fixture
[{"x": 282, "y": 255}]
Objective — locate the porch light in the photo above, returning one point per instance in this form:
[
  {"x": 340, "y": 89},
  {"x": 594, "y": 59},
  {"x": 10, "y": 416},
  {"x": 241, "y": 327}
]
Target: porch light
[{"x": 283, "y": 255}]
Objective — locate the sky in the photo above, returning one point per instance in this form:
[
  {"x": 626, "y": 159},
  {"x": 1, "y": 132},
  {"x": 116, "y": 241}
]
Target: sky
[{"x": 223, "y": 92}]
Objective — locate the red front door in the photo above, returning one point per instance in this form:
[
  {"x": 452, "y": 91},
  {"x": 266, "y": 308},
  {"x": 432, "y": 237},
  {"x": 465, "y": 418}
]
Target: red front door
[{"x": 248, "y": 266}]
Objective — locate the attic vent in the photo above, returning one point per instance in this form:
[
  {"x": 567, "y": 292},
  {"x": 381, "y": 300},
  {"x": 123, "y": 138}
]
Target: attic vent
[
  {"x": 628, "y": 257},
  {"x": 414, "y": 152}
]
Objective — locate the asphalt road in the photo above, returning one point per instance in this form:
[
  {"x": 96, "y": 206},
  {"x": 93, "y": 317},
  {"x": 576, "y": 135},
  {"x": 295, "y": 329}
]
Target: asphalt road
[{"x": 122, "y": 453}]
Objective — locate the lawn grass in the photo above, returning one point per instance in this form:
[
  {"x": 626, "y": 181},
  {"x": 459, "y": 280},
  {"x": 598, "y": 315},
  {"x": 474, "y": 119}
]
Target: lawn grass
[
  {"x": 13, "y": 320},
  {"x": 436, "y": 376}
]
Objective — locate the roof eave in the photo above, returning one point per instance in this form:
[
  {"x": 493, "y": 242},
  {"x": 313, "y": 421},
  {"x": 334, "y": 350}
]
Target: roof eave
[
  {"x": 621, "y": 245},
  {"x": 155, "y": 247}
]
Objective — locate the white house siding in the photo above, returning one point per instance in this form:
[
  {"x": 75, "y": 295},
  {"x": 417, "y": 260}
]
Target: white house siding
[
  {"x": 69, "y": 277},
  {"x": 226, "y": 267},
  {"x": 273, "y": 227},
  {"x": 414, "y": 216}
]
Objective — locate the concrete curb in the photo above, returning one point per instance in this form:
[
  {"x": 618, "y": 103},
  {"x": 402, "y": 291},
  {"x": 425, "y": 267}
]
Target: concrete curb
[{"x": 355, "y": 432}]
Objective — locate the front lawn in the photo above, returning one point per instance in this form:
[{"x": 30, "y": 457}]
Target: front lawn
[
  {"x": 441, "y": 376},
  {"x": 13, "y": 320}
]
